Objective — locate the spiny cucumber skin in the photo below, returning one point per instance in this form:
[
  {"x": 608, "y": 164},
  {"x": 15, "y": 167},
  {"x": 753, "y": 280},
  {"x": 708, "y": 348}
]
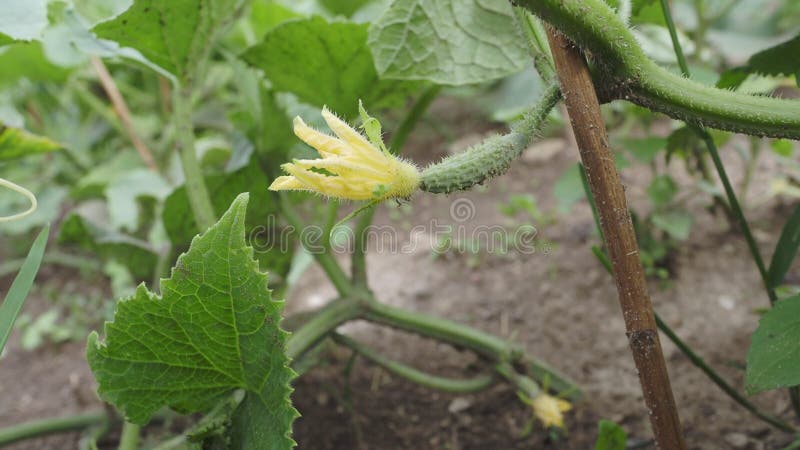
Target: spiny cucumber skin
[
  {"x": 493, "y": 156},
  {"x": 488, "y": 159}
]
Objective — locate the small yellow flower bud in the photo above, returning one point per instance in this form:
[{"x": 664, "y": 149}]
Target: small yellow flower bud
[
  {"x": 351, "y": 167},
  {"x": 550, "y": 410}
]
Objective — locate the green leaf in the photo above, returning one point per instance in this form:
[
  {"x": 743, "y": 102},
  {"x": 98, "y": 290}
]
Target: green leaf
[
  {"x": 676, "y": 223},
  {"x": 23, "y": 19},
  {"x": 176, "y": 35},
  {"x": 775, "y": 61},
  {"x": 451, "y": 42},
  {"x": 16, "y": 143},
  {"x": 12, "y": 304},
  {"x": 774, "y": 357},
  {"x": 785, "y": 250},
  {"x": 610, "y": 437},
  {"x": 271, "y": 249},
  {"x": 344, "y": 8},
  {"x": 325, "y": 63},
  {"x": 214, "y": 329},
  {"x": 568, "y": 188},
  {"x": 137, "y": 255},
  {"x": 644, "y": 149},
  {"x": 782, "y": 147},
  {"x": 5, "y": 40},
  {"x": 27, "y": 60},
  {"x": 662, "y": 190}
]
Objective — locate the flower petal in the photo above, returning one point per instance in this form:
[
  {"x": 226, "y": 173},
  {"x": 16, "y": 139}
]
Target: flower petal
[
  {"x": 349, "y": 135},
  {"x": 285, "y": 183},
  {"x": 324, "y": 144}
]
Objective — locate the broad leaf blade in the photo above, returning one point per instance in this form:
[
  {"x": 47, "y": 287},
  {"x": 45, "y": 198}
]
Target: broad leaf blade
[
  {"x": 775, "y": 61},
  {"x": 611, "y": 436},
  {"x": 451, "y": 42},
  {"x": 21, "y": 285},
  {"x": 786, "y": 250},
  {"x": 214, "y": 329},
  {"x": 325, "y": 64},
  {"x": 176, "y": 34},
  {"x": 16, "y": 143},
  {"x": 774, "y": 357}
]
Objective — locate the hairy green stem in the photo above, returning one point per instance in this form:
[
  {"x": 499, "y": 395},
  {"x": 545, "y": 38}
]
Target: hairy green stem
[
  {"x": 396, "y": 143},
  {"x": 628, "y": 74},
  {"x": 129, "y": 440},
  {"x": 446, "y": 384},
  {"x": 44, "y": 427},
  {"x": 196, "y": 189},
  {"x": 337, "y": 312},
  {"x": 324, "y": 258}
]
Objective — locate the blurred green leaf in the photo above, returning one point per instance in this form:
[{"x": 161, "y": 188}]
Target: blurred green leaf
[
  {"x": 452, "y": 42},
  {"x": 774, "y": 357},
  {"x": 662, "y": 190},
  {"x": 782, "y": 147},
  {"x": 334, "y": 67},
  {"x": 27, "y": 60},
  {"x": 18, "y": 292},
  {"x": 214, "y": 329},
  {"x": 785, "y": 250},
  {"x": 23, "y": 19},
  {"x": 610, "y": 436},
  {"x": 344, "y": 8},
  {"x": 175, "y": 35},
  {"x": 644, "y": 149},
  {"x": 568, "y": 188},
  {"x": 676, "y": 223},
  {"x": 775, "y": 61},
  {"x": 137, "y": 255},
  {"x": 16, "y": 143}
]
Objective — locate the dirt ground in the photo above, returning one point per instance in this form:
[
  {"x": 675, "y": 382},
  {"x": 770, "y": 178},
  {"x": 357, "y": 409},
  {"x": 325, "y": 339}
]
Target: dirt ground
[{"x": 559, "y": 304}]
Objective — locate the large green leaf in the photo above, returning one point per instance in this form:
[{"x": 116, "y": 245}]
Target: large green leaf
[
  {"x": 447, "y": 41},
  {"x": 785, "y": 250},
  {"x": 27, "y": 60},
  {"x": 214, "y": 329},
  {"x": 774, "y": 357},
  {"x": 21, "y": 285},
  {"x": 16, "y": 143},
  {"x": 325, "y": 63},
  {"x": 176, "y": 34}
]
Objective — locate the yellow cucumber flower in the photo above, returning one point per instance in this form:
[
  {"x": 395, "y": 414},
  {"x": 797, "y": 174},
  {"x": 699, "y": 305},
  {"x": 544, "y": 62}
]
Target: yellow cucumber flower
[
  {"x": 550, "y": 410},
  {"x": 351, "y": 167}
]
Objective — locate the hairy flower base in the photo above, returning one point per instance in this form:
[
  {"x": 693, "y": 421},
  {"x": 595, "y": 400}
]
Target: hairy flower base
[
  {"x": 351, "y": 167},
  {"x": 550, "y": 410}
]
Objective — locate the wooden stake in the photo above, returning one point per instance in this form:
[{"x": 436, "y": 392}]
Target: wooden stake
[{"x": 620, "y": 239}]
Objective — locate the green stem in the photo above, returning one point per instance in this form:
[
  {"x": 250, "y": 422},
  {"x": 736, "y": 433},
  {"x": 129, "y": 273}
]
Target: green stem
[
  {"x": 129, "y": 440},
  {"x": 324, "y": 258},
  {"x": 485, "y": 344},
  {"x": 326, "y": 320},
  {"x": 476, "y": 384},
  {"x": 44, "y": 427},
  {"x": 524, "y": 384},
  {"x": 628, "y": 74},
  {"x": 673, "y": 35},
  {"x": 196, "y": 189},
  {"x": 396, "y": 143}
]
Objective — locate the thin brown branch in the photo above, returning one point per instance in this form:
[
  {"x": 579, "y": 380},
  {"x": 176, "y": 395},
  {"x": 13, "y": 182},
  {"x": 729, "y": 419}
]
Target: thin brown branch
[
  {"x": 122, "y": 111},
  {"x": 620, "y": 239}
]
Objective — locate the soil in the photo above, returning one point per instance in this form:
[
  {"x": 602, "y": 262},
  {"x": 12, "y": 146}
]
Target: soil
[{"x": 558, "y": 303}]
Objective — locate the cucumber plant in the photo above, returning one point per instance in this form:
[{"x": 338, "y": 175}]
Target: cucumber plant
[{"x": 207, "y": 336}]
